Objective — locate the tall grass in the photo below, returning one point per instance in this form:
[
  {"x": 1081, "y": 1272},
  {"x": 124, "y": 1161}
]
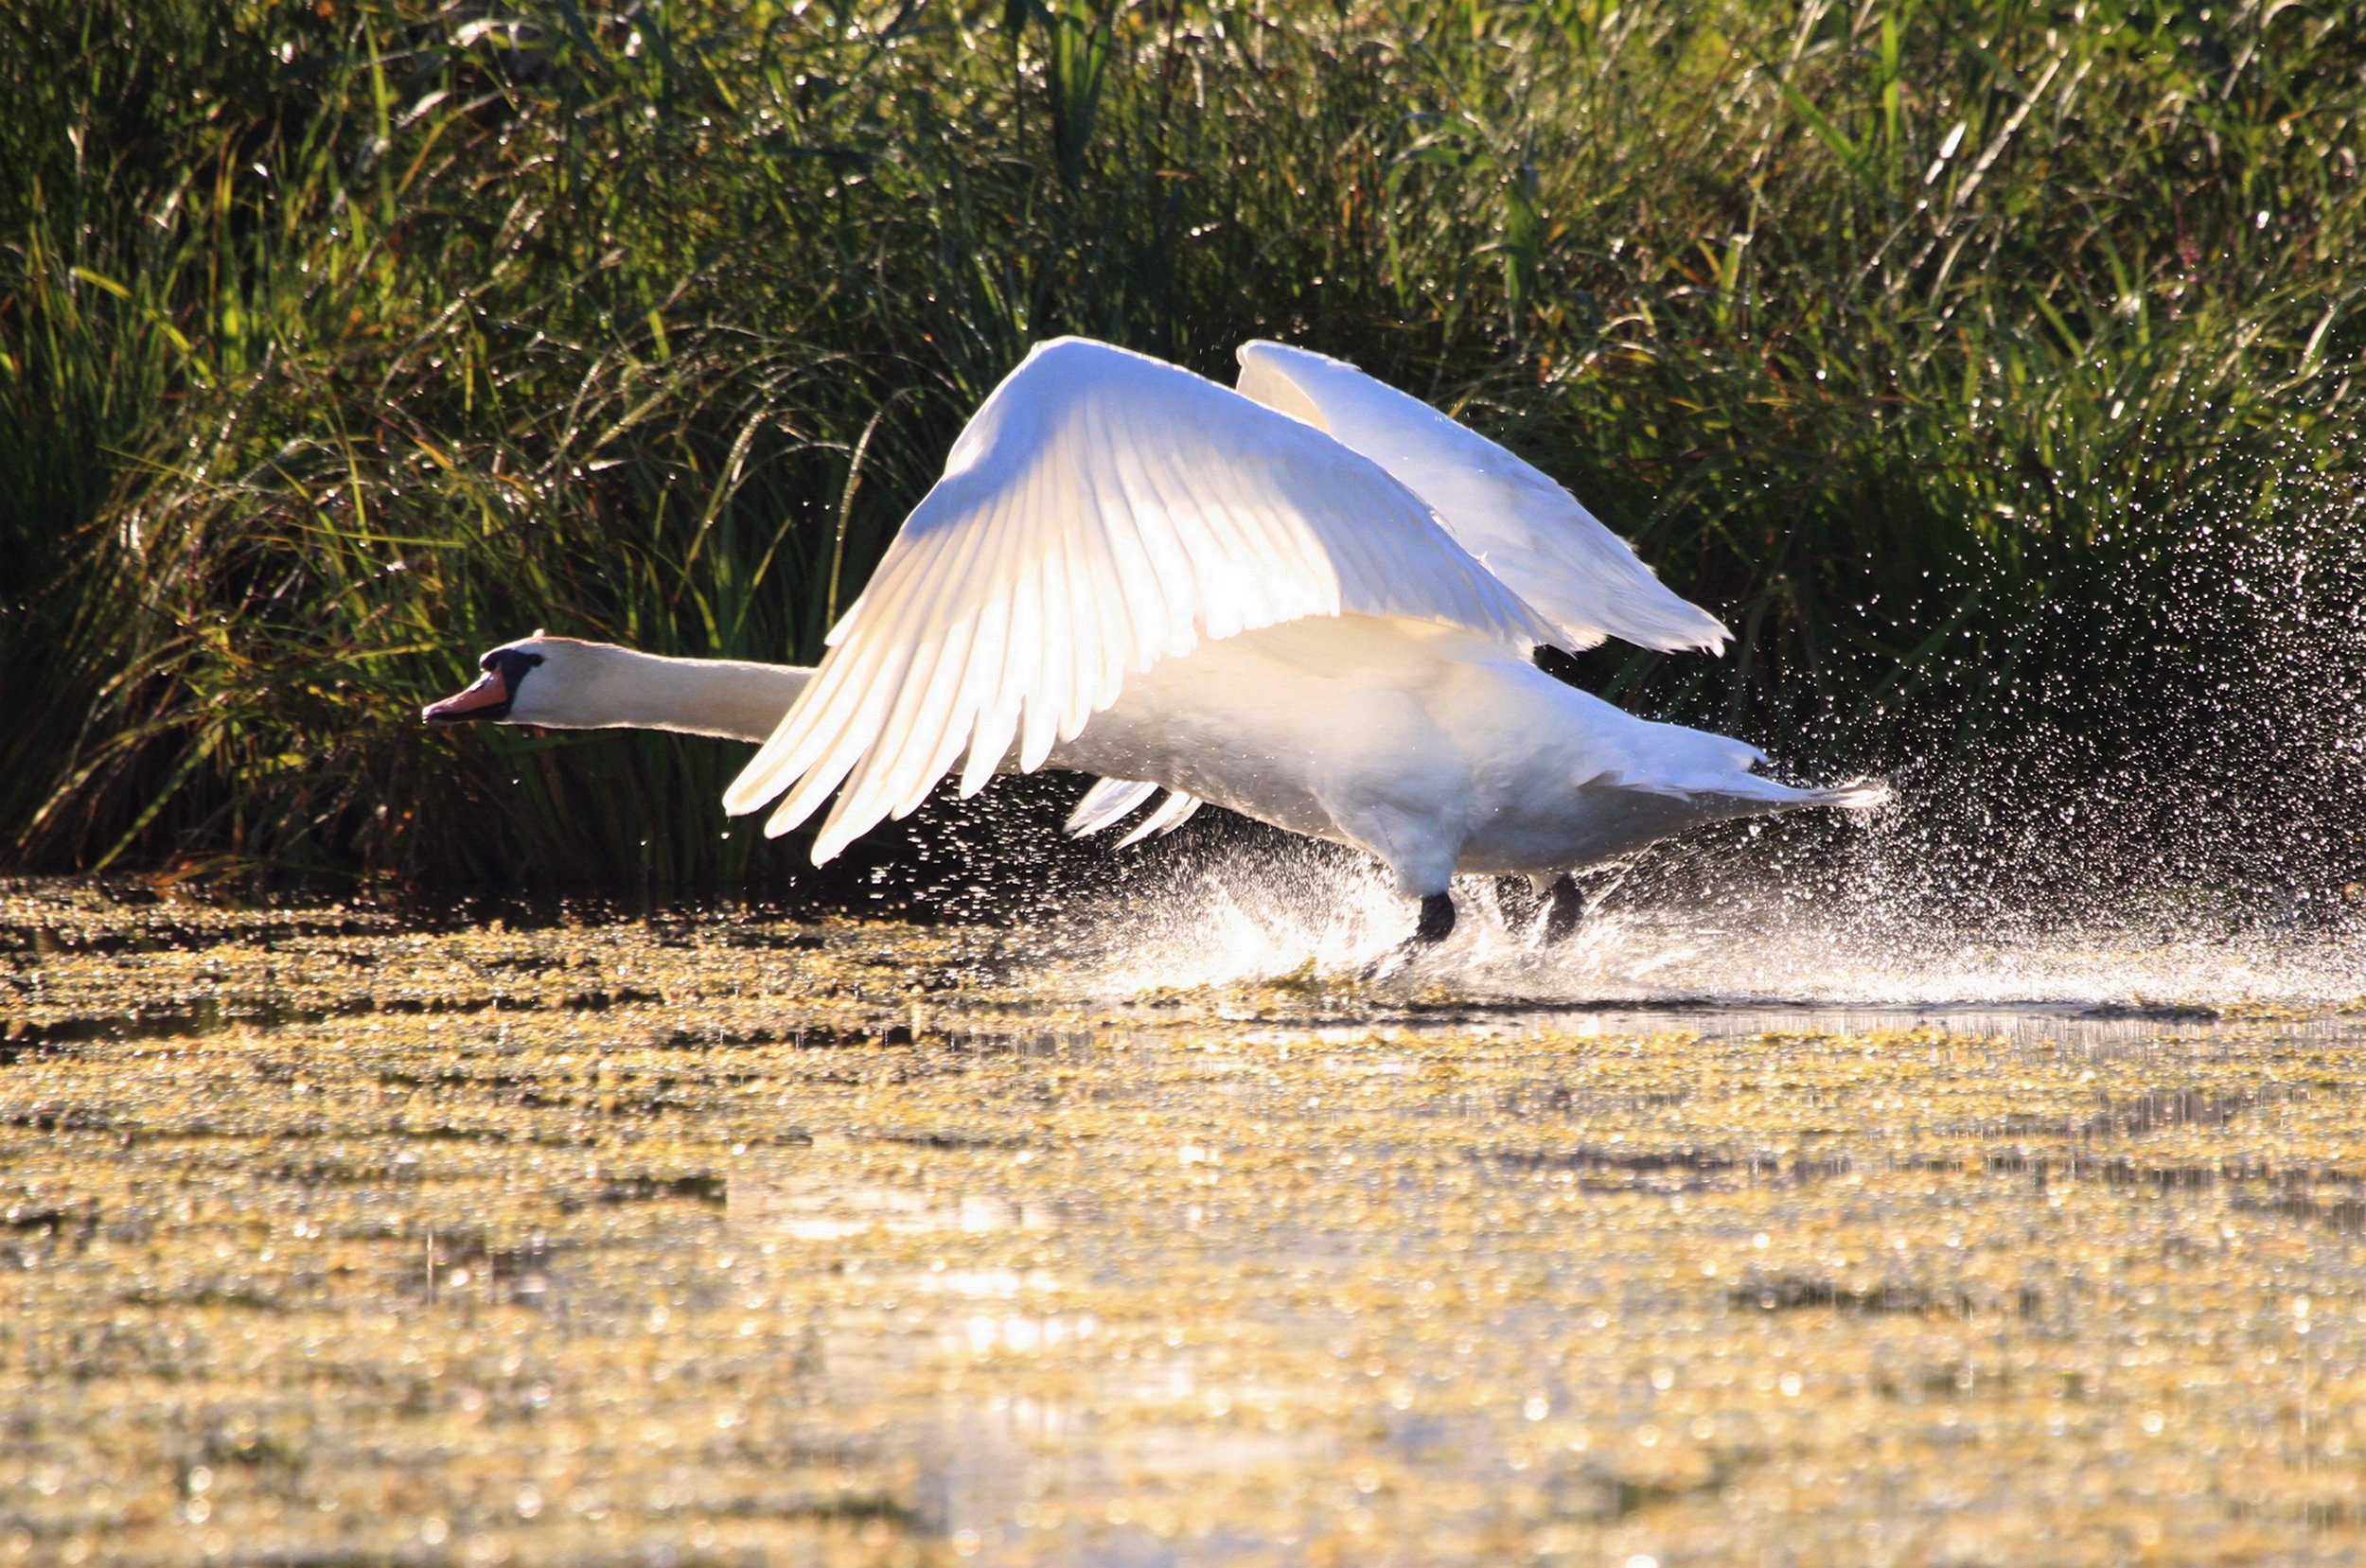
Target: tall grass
[{"x": 1987, "y": 365}]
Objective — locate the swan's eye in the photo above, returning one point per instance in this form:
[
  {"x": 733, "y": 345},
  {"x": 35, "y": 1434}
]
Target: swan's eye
[{"x": 512, "y": 665}]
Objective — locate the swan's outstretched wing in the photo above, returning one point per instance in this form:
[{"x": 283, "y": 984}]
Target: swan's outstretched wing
[
  {"x": 1101, "y": 511},
  {"x": 1530, "y": 531}
]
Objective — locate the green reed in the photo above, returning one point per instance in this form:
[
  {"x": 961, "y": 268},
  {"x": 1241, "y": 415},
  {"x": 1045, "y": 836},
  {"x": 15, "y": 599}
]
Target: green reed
[{"x": 339, "y": 342}]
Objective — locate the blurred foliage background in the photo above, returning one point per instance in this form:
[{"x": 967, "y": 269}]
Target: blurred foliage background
[{"x": 1990, "y": 366}]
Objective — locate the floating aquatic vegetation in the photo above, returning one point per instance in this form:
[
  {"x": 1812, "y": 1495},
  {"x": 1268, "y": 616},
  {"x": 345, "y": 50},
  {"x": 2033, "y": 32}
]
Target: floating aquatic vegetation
[{"x": 709, "y": 1238}]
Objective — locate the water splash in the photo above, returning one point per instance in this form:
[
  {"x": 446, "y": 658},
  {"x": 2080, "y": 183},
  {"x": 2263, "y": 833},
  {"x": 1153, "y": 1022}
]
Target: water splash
[
  {"x": 1815, "y": 915},
  {"x": 2135, "y": 778},
  {"x": 2138, "y": 778}
]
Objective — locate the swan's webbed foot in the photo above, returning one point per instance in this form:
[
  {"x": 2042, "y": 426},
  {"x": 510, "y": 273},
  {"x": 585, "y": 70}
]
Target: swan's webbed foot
[
  {"x": 1564, "y": 910},
  {"x": 1437, "y": 922},
  {"x": 1434, "y": 927}
]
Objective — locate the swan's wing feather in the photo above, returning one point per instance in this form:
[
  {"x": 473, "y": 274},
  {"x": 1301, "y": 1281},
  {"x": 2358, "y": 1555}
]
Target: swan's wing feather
[
  {"x": 1101, "y": 511},
  {"x": 1530, "y": 531},
  {"x": 1109, "y": 800},
  {"x": 1172, "y": 814},
  {"x": 1106, "y": 804}
]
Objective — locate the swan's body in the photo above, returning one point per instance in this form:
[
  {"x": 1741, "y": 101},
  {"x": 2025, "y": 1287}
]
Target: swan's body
[
  {"x": 1316, "y": 608},
  {"x": 1433, "y": 749},
  {"x": 1401, "y": 738}
]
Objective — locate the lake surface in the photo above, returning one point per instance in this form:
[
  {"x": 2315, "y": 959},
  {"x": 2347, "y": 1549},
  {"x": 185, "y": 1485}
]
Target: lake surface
[{"x": 335, "y": 1235}]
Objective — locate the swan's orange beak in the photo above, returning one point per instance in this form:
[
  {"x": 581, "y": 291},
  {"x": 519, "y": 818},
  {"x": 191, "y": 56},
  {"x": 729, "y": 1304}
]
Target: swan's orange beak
[{"x": 487, "y": 698}]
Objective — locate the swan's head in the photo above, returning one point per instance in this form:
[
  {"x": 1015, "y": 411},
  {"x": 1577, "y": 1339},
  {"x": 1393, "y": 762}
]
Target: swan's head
[{"x": 525, "y": 682}]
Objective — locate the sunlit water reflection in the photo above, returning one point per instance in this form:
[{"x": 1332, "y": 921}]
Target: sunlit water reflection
[{"x": 707, "y": 1239}]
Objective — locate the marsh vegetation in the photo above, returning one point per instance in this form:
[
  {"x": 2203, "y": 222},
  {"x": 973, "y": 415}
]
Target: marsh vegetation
[{"x": 1987, "y": 366}]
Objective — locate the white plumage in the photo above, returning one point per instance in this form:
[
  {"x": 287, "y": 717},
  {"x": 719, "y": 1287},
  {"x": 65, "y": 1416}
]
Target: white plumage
[
  {"x": 1102, "y": 512},
  {"x": 1530, "y": 532},
  {"x": 1312, "y": 601}
]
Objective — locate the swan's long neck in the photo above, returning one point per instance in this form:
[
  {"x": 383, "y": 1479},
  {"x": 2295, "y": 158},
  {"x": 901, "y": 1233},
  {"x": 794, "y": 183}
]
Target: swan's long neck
[{"x": 624, "y": 689}]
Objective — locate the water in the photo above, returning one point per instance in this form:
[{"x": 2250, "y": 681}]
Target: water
[
  {"x": 1746, "y": 928},
  {"x": 327, "y": 1236}
]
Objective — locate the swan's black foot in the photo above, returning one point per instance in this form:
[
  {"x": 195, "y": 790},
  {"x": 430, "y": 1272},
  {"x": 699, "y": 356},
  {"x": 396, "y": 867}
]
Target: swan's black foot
[
  {"x": 1564, "y": 910},
  {"x": 1434, "y": 927},
  {"x": 1516, "y": 901},
  {"x": 1437, "y": 922}
]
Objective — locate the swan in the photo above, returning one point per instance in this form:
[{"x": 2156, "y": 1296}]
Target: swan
[{"x": 1312, "y": 599}]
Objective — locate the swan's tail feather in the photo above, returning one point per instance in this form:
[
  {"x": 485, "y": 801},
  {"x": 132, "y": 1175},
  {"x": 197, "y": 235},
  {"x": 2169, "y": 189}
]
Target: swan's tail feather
[
  {"x": 1724, "y": 770},
  {"x": 1855, "y": 795}
]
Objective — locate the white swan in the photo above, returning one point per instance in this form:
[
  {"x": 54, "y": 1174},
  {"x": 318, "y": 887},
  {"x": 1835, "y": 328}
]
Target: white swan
[{"x": 1313, "y": 600}]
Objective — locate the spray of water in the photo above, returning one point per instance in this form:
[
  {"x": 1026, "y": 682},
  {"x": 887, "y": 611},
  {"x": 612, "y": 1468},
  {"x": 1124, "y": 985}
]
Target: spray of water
[
  {"x": 2148, "y": 786},
  {"x": 1782, "y": 917}
]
